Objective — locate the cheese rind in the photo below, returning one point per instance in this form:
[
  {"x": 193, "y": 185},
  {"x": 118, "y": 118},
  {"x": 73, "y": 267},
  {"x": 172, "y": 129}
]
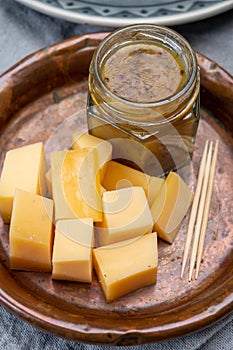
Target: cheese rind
[
  {"x": 76, "y": 185},
  {"x": 124, "y": 267},
  {"x": 126, "y": 215},
  {"x": 82, "y": 141},
  {"x": 119, "y": 176},
  {"x": 170, "y": 207},
  {"x": 72, "y": 251},
  {"x": 31, "y": 232},
  {"x": 23, "y": 168}
]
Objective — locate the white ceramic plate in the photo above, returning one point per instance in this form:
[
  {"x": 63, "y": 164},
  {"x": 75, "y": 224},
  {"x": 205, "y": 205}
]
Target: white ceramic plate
[{"x": 124, "y": 12}]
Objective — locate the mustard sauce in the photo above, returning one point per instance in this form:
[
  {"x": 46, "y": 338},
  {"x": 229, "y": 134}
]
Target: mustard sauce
[{"x": 143, "y": 73}]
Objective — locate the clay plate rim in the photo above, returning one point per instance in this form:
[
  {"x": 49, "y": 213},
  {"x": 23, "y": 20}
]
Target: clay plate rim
[{"x": 217, "y": 95}]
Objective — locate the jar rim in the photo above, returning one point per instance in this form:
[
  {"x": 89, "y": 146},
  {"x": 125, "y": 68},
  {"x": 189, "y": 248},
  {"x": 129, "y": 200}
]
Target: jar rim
[{"x": 167, "y": 31}]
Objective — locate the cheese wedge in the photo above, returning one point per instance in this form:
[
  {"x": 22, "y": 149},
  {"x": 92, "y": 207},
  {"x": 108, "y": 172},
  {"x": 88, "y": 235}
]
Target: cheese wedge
[
  {"x": 31, "y": 232},
  {"x": 76, "y": 185},
  {"x": 23, "y": 168},
  {"x": 72, "y": 250},
  {"x": 126, "y": 215},
  {"x": 170, "y": 207},
  {"x": 124, "y": 267},
  {"x": 82, "y": 141},
  {"x": 121, "y": 176}
]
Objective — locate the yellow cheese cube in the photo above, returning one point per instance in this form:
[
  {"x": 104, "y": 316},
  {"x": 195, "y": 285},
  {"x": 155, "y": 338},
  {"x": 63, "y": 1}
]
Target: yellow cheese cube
[
  {"x": 124, "y": 267},
  {"x": 82, "y": 141},
  {"x": 31, "y": 232},
  {"x": 126, "y": 215},
  {"x": 76, "y": 185},
  {"x": 23, "y": 168},
  {"x": 121, "y": 176},
  {"x": 72, "y": 250},
  {"x": 170, "y": 207}
]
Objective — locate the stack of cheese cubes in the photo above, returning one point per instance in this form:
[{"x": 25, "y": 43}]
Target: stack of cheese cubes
[{"x": 99, "y": 213}]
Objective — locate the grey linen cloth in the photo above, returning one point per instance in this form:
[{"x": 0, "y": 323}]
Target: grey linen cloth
[
  {"x": 23, "y": 31},
  {"x": 16, "y": 334}
]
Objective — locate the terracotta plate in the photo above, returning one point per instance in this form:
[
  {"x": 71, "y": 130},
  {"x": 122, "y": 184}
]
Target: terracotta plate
[{"x": 43, "y": 98}]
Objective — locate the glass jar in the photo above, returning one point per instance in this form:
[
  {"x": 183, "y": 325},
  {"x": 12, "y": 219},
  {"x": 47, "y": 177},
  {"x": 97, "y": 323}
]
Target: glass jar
[{"x": 144, "y": 97}]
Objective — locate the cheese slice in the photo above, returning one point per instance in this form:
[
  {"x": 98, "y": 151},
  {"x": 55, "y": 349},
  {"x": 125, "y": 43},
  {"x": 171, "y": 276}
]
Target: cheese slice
[
  {"x": 170, "y": 207},
  {"x": 126, "y": 214},
  {"x": 76, "y": 185},
  {"x": 31, "y": 232},
  {"x": 23, "y": 168},
  {"x": 82, "y": 141},
  {"x": 118, "y": 176},
  {"x": 124, "y": 267},
  {"x": 72, "y": 250}
]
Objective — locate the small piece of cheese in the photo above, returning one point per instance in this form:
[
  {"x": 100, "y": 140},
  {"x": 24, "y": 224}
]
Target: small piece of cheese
[
  {"x": 72, "y": 250},
  {"x": 170, "y": 207},
  {"x": 124, "y": 267},
  {"x": 76, "y": 185},
  {"x": 23, "y": 168},
  {"x": 31, "y": 232},
  {"x": 121, "y": 176},
  {"x": 82, "y": 141},
  {"x": 126, "y": 215}
]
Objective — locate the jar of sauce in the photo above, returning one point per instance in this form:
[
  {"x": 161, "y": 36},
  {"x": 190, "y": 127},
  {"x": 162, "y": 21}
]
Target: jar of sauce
[{"x": 144, "y": 97}]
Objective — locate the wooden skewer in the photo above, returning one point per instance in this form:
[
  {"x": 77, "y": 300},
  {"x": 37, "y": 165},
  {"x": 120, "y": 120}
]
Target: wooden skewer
[
  {"x": 200, "y": 212},
  {"x": 194, "y": 208},
  {"x": 206, "y": 210}
]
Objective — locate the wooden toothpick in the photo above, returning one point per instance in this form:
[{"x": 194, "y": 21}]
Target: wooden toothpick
[
  {"x": 200, "y": 212},
  {"x": 206, "y": 210},
  {"x": 194, "y": 208}
]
